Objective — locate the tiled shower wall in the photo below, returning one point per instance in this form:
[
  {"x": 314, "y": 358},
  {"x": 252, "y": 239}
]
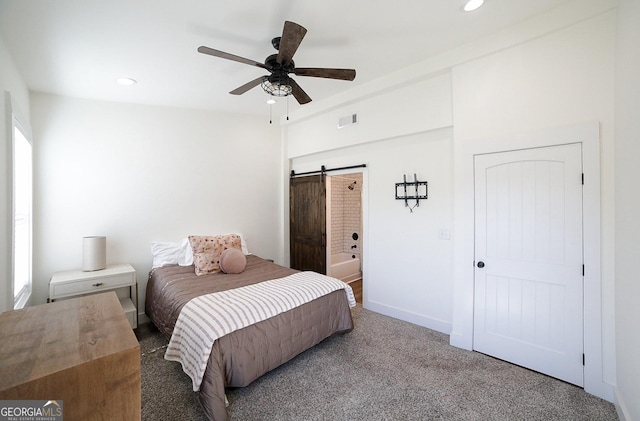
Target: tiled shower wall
[{"x": 346, "y": 213}]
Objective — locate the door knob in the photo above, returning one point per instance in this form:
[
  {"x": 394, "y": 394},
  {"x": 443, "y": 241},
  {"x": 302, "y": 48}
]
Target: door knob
[{"x": 480, "y": 264}]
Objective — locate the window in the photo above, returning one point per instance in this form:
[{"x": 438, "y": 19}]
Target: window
[{"x": 22, "y": 205}]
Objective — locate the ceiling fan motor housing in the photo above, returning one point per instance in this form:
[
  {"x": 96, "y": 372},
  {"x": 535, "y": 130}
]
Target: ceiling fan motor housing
[
  {"x": 272, "y": 64},
  {"x": 278, "y": 79}
]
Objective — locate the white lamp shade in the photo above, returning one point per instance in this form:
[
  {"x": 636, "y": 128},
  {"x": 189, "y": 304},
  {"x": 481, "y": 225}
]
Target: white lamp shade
[{"x": 94, "y": 253}]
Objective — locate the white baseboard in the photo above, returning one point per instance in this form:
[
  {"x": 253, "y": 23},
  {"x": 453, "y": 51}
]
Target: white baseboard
[
  {"x": 621, "y": 409},
  {"x": 407, "y": 316}
]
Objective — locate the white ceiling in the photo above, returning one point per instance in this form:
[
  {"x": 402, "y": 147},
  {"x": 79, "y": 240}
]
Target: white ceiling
[{"x": 78, "y": 48}]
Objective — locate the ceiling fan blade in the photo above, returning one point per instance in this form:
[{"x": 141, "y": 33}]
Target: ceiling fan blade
[
  {"x": 244, "y": 88},
  {"x": 342, "y": 74},
  {"x": 222, "y": 54},
  {"x": 292, "y": 35},
  {"x": 300, "y": 95}
]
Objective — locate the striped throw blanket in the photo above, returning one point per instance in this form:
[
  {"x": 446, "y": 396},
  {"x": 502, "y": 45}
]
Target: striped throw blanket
[{"x": 209, "y": 317}]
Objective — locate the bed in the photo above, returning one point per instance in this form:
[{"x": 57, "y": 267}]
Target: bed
[{"x": 240, "y": 357}]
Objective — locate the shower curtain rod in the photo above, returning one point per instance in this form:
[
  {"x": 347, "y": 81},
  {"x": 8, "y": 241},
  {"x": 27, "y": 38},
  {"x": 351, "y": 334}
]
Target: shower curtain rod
[{"x": 326, "y": 170}]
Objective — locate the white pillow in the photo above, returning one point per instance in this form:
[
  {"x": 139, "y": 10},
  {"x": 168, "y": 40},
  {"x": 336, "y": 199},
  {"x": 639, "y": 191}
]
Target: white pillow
[
  {"x": 168, "y": 253},
  {"x": 186, "y": 254}
]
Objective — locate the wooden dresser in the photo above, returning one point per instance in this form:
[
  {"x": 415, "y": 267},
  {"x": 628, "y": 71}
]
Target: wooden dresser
[{"x": 81, "y": 351}]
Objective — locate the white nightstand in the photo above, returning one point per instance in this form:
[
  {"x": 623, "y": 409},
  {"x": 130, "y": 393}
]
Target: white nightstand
[{"x": 121, "y": 278}]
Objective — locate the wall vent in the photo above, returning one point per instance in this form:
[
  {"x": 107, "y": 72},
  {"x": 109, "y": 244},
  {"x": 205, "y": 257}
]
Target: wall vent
[{"x": 347, "y": 120}]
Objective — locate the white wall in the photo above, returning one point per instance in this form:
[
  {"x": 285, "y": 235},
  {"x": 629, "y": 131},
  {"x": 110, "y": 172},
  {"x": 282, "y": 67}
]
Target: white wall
[
  {"x": 406, "y": 266},
  {"x": 11, "y": 82},
  {"x": 426, "y": 105},
  {"x": 555, "y": 70},
  {"x": 401, "y": 130},
  {"x": 137, "y": 174},
  {"x": 627, "y": 209}
]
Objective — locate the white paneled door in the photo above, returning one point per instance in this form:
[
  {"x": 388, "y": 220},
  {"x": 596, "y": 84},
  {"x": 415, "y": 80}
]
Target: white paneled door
[{"x": 528, "y": 259}]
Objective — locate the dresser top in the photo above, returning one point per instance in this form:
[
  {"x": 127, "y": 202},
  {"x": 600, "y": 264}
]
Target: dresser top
[{"x": 45, "y": 339}]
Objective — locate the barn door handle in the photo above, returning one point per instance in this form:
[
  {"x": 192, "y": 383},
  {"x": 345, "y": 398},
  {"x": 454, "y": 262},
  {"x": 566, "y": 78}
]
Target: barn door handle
[
  {"x": 322, "y": 239},
  {"x": 480, "y": 264}
]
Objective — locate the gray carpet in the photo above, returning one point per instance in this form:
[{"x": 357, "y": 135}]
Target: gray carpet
[{"x": 385, "y": 369}]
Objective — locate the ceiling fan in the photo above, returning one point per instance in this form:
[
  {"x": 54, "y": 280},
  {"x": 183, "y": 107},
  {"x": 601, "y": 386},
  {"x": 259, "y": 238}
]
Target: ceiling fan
[{"x": 278, "y": 82}]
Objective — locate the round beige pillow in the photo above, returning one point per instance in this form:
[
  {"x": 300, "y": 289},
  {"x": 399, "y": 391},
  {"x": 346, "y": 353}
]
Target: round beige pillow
[{"x": 232, "y": 260}]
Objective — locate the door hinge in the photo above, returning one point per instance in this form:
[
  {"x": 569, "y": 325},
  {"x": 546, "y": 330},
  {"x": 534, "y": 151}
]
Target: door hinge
[
  {"x": 583, "y": 359},
  {"x": 582, "y": 270},
  {"x": 583, "y": 179}
]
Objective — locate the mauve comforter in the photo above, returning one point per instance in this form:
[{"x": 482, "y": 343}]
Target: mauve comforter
[{"x": 241, "y": 357}]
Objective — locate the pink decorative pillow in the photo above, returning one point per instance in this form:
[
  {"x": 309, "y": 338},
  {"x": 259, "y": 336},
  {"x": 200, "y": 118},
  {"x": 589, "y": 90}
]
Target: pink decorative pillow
[
  {"x": 232, "y": 260},
  {"x": 207, "y": 251}
]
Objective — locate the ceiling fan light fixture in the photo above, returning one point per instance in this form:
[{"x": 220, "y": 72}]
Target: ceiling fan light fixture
[
  {"x": 472, "y": 5},
  {"x": 276, "y": 87}
]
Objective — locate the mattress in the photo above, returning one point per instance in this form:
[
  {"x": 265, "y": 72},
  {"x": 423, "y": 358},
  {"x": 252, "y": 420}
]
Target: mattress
[{"x": 237, "y": 359}]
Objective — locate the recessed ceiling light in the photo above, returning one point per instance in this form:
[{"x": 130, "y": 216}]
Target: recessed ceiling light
[
  {"x": 126, "y": 81},
  {"x": 472, "y": 5}
]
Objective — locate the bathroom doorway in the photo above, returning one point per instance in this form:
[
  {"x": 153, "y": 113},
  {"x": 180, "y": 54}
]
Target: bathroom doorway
[{"x": 344, "y": 229}]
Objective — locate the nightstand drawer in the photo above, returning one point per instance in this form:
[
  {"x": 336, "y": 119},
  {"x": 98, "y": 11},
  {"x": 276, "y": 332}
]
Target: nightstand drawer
[{"x": 88, "y": 286}]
